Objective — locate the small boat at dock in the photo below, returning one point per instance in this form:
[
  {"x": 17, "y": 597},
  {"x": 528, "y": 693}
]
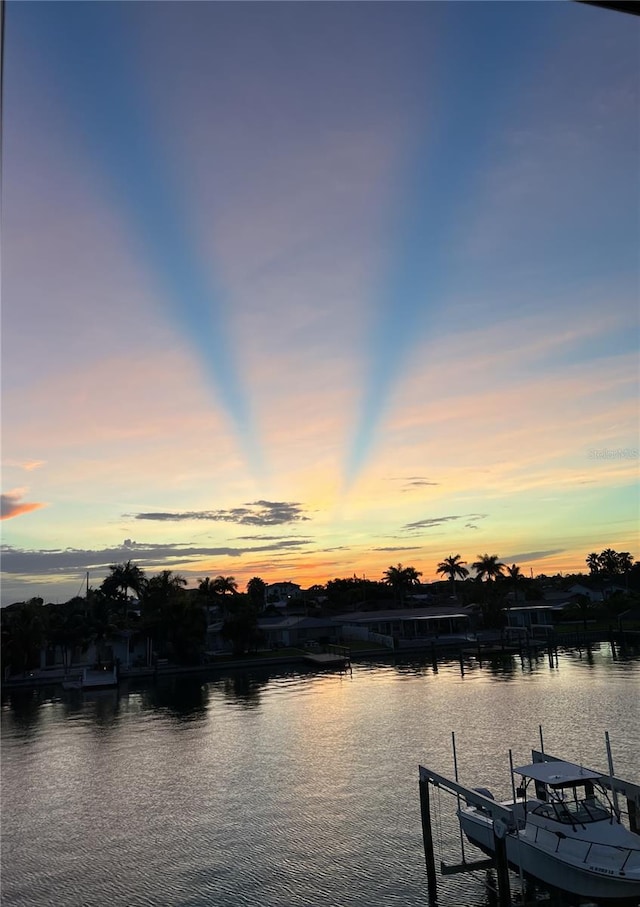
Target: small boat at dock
[
  {"x": 565, "y": 828},
  {"x": 564, "y": 831}
]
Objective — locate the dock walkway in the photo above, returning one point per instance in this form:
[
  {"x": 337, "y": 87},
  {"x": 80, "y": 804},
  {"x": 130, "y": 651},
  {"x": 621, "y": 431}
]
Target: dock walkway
[{"x": 326, "y": 658}]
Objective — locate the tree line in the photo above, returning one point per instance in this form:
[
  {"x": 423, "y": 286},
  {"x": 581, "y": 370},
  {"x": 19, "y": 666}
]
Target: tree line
[
  {"x": 158, "y": 609},
  {"x": 174, "y": 619}
]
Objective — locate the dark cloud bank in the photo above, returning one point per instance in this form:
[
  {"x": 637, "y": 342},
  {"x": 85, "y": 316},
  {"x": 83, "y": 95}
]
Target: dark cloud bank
[{"x": 256, "y": 513}]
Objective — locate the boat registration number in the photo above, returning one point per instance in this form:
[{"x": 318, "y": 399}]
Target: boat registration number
[{"x": 606, "y": 872}]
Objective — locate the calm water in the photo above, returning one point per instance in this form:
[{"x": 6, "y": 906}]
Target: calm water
[{"x": 283, "y": 789}]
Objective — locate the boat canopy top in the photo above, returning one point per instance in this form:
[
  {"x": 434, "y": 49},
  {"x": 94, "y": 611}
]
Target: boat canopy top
[{"x": 557, "y": 774}]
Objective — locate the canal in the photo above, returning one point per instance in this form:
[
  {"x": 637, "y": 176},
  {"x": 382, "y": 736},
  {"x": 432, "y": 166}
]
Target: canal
[{"x": 284, "y": 788}]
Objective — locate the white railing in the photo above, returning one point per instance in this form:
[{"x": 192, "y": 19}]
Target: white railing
[{"x": 365, "y": 635}]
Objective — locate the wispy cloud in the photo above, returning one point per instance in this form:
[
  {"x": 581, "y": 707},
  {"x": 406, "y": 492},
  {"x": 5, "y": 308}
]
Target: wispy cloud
[
  {"x": 12, "y": 506},
  {"x": 414, "y": 482},
  {"x": 532, "y": 555},
  {"x": 430, "y": 522},
  {"x": 27, "y": 465},
  {"x": 270, "y": 538},
  {"x": 258, "y": 513}
]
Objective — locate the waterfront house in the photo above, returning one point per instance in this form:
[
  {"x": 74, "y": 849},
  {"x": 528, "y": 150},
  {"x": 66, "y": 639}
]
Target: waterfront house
[
  {"x": 593, "y": 594},
  {"x": 530, "y": 620},
  {"x": 123, "y": 647},
  {"x": 280, "y": 594},
  {"x": 408, "y": 627},
  {"x": 297, "y": 630},
  {"x": 598, "y": 592}
]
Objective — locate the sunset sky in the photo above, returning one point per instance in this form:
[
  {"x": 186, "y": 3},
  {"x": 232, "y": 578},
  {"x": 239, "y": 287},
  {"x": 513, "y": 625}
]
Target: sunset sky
[{"x": 303, "y": 290}]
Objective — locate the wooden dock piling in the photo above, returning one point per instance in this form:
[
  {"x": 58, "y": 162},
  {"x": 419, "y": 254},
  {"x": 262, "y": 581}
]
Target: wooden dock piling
[
  {"x": 427, "y": 837},
  {"x": 502, "y": 818},
  {"x": 502, "y": 866}
]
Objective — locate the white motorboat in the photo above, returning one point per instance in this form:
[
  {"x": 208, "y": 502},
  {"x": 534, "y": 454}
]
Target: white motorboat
[{"x": 564, "y": 831}]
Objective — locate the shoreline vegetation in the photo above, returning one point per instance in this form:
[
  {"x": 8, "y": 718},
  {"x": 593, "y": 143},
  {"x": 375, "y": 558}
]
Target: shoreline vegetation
[
  {"x": 150, "y": 626},
  {"x": 485, "y": 647}
]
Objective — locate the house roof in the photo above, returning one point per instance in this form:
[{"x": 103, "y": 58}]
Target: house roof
[
  {"x": 300, "y": 622},
  {"x": 403, "y": 614}
]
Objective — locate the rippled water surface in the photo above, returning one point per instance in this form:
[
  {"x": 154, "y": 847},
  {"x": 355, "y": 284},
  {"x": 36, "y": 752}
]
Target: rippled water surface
[{"x": 284, "y": 788}]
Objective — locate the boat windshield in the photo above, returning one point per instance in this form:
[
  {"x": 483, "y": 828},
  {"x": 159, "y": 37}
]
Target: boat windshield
[{"x": 574, "y": 811}]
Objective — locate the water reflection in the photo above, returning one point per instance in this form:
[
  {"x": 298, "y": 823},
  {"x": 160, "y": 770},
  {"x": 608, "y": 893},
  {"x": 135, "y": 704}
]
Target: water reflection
[
  {"x": 24, "y": 707},
  {"x": 594, "y": 654},
  {"x": 586, "y": 655},
  {"x": 280, "y": 786},
  {"x": 416, "y": 667},
  {"x": 99, "y": 707},
  {"x": 242, "y": 690},
  {"x": 185, "y": 697},
  {"x": 502, "y": 666}
]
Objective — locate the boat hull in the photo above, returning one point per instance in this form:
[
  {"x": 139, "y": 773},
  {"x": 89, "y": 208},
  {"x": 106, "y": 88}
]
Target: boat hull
[{"x": 606, "y": 885}]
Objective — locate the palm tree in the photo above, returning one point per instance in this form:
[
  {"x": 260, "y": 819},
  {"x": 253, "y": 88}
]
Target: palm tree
[
  {"x": 225, "y": 584},
  {"x": 625, "y": 563},
  {"x": 159, "y": 599},
  {"x": 593, "y": 563},
  {"x": 205, "y": 587},
  {"x": 225, "y": 589},
  {"x": 241, "y": 624},
  {"x": 165, "y": 585},
  {"x": 488, "y": 567},
  {"x": 401, "y": 579},
  {"x": 609, "y": 562},
  {"x": 516, "y": 575},
  {"x": 452, "y": 566},
  {"x": 122, "y": 578},
  {"x": 257, "y": 591},
  {"x": 185, "y": 628}
]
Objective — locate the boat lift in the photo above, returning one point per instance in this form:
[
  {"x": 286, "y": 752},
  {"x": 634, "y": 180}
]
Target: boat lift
[{"x": 504, "y": 820}]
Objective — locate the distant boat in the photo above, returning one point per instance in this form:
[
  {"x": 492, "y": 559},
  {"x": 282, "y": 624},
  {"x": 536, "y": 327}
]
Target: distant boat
[
  {"x": 566, "y": 833},
  {"x": 92, "y": 679}
]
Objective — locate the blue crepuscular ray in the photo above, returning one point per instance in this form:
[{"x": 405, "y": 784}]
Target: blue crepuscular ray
[
  {"x": 473, "y": 90},
  {"x": 89, "y": 50}
]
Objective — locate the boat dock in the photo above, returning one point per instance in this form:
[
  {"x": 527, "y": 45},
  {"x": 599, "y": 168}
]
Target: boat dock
[
  {"x": 89, "y": 679},
  {"x": 503, "y": 821},
  {"x": 335, "y": 656},
  {"x": 504, "y": 824}
]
